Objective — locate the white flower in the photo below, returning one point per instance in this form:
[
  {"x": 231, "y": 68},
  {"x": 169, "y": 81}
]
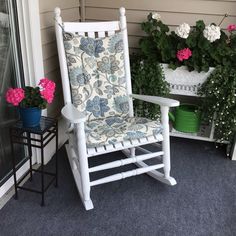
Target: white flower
[
  {"x": 212, "y": 33},
  {"x": 141, "y": 64},
  {"x": 183, "y": 30},
  {"x": 156, "y": 16}
]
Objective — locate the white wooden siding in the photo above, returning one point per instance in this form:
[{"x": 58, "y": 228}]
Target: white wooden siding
[
  {"x": 172, "y": 13},
  {"x": 70, "y": 12}
]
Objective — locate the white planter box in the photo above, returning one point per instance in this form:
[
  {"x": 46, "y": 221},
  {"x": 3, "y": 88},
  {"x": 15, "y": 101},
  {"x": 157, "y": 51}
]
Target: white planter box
[{"x": 183, "y": 82}]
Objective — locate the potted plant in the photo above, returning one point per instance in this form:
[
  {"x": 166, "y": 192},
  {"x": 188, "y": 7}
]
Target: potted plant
[
  {"x": 189, "y": 56},
  {"x": 198, "y": 49},
  {"x": 31, "y": 101}
]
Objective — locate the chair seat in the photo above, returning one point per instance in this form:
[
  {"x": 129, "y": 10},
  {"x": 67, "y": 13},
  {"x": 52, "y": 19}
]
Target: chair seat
[{"x": 113, "y": 130}]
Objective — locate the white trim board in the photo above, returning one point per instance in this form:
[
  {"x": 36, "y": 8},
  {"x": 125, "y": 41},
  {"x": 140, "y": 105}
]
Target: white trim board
[
  {"x": 10, "y": 182},
  {"x": 10, "y": 193},
  {"x": 49, "y": 150},
  {"x": 31, "y": 44},
  {"x": 233, "y": 151}
]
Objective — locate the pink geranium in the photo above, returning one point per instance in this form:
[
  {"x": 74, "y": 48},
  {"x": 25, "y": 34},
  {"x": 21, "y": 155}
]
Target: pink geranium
[
  {"x": 231, "y": 27},
  {"x": 48, "y": 95},
  {"x": 32, "y": 97},
  {"x": 184, "y": 54},
  {"x": 15, "y": 96},
  {"x": 47, "y": 84},
  {"x": 48, "y": 89}
]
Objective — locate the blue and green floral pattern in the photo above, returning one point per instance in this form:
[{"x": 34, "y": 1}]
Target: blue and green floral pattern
[
  {"x": 97, "y": 75},
  {"x": 115, "y": 129}
]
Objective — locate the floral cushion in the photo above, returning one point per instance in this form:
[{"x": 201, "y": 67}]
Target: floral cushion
[
  {"x": 97, "y": 77},
  {"x": 112, "y": 130}
]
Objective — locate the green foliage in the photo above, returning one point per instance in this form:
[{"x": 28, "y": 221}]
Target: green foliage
[
  {"x": 162, "y": 46},
  {"x": 148, "y": 79},
  {"x": 157, "y": 45},
  {"x": 220, "y": 98},
  {"x": 33, "y": 98}
]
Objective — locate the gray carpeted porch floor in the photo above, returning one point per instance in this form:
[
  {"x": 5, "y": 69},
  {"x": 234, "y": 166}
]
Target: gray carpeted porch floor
[{"x": 202, "y": 203}]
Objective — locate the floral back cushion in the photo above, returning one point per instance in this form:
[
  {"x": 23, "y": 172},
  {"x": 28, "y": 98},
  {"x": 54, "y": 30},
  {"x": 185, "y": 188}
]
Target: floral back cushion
[{"x": 97, "y": 75}]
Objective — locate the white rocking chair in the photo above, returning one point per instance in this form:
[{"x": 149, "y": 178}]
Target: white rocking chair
[{"x": 95, "y": 70}]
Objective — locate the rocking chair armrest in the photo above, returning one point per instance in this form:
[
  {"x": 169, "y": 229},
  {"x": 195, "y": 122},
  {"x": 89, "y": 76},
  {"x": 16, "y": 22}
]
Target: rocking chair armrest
[
  {"x": 72, "y": 114},
  {"x": 157, "y": 100}
]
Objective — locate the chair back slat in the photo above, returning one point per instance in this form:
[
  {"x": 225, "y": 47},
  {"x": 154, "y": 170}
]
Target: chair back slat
[
  {"x": 81, "y": 33},
  {"x": 111, "y": 32},
  {"x": 91, "y": 26},
  {"x": 91, "y": 34},
  {"x": 101, "y": 34}
]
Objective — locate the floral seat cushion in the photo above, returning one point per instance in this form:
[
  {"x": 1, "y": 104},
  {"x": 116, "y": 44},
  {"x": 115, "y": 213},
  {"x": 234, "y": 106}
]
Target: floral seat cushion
[
  {"x": 116, "y": 129},
  {"x": 97, "y": 75}
]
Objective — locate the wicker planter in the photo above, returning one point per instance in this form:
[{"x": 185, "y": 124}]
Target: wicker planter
[{"x": 183, "y": 82}]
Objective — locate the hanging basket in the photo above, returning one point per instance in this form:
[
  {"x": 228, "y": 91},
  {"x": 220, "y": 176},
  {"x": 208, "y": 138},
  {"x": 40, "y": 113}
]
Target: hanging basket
[{"x": 30, "y": 116}]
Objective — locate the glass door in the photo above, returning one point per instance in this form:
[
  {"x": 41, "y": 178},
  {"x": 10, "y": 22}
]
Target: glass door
[{"x": 10, "y": 76}]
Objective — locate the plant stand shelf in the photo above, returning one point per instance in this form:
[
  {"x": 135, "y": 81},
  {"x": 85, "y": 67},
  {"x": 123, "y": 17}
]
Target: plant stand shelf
[
  {"x": 185, "y": 83},
  {"x": 203, "y": 134},
  {"x": 37, "y": 137}
]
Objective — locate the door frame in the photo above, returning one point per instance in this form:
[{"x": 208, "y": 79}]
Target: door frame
[
  {"x": 31, "y": 44},
  {"x": 32, "y": 57}
]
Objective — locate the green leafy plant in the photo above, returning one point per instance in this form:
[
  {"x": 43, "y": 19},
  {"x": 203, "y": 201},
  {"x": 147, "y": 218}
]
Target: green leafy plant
[
  {"x": 198, "y": 48},
  {"x": 148, "y": 79},
  {"x": 219, "y": 93},
  {"x": 33, "y": 98}
]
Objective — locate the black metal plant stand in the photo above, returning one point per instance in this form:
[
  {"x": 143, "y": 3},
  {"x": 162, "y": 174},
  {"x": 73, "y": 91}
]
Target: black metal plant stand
[{"x": 37, "y": 137}]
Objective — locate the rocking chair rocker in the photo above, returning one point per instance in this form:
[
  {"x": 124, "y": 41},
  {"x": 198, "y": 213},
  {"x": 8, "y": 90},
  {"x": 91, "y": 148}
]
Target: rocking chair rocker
[{"x": 95, "y": 70}]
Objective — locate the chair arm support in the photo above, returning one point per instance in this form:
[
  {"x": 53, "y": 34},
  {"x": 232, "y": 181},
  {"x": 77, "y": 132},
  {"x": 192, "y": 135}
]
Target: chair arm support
[
  {"x": 157, "y": 100},
  {"x": 72, "y": 114}
]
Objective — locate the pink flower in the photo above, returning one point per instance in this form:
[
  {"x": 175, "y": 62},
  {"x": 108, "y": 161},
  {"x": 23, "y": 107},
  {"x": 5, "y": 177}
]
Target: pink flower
[
  {"x": 48, "y": 95},
  {"x": 48, "y": 89},
  {"x": 184, "y": 54},
  {"x": 15, "y": 96},
  {"x": 231, "y": 27},
  {"x": 47, "y": 84}
]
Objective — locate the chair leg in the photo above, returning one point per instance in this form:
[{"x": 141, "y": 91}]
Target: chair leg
[
  {"x": 166, "y": 142},
  {"x": 85, "y": 182},
  {"x": 83, "y": 166},
  {"x": 74, "y": 163}
]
